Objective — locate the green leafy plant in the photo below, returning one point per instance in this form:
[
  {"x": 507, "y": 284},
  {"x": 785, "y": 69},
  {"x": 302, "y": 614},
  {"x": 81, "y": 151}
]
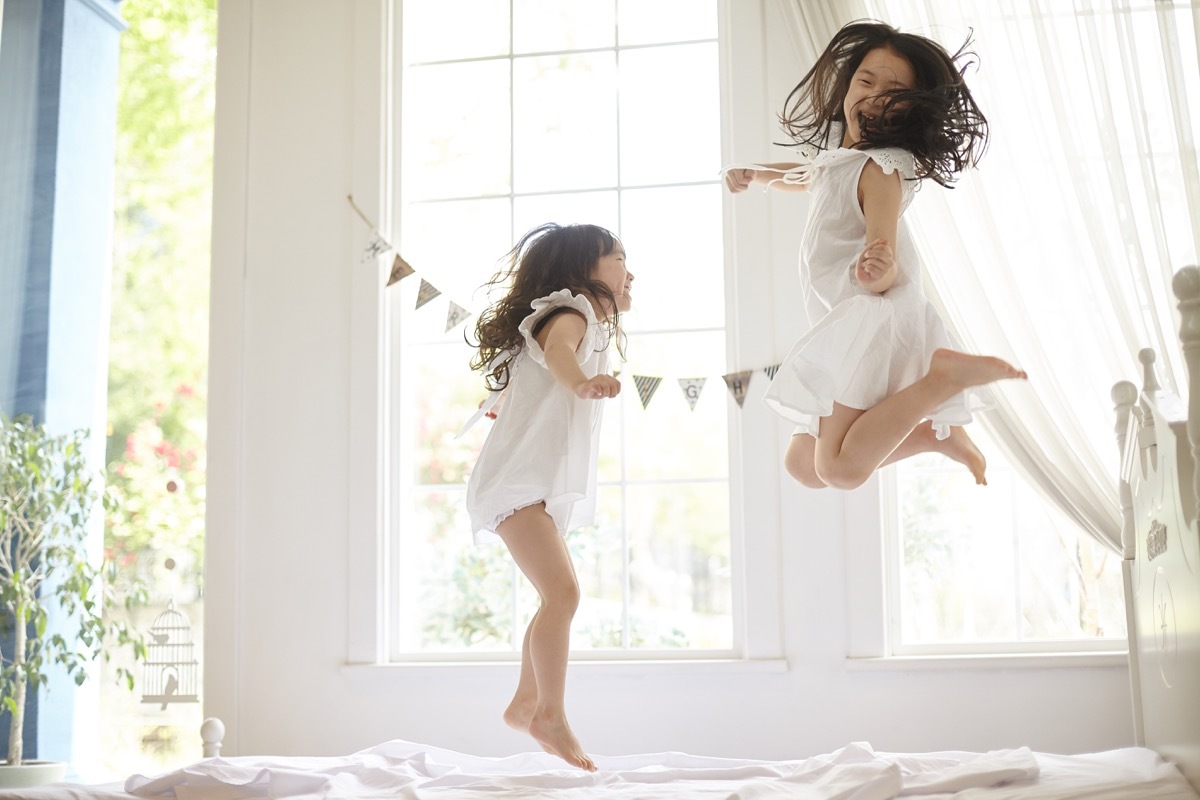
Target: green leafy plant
[{"x": 47, "y": 496}]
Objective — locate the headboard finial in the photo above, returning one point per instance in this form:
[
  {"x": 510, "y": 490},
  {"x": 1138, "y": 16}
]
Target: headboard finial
[
  {"x": 1186, "y": 283},
  {"x": 1124, "y": 393},
  {"x": 1150, "y": 382}
]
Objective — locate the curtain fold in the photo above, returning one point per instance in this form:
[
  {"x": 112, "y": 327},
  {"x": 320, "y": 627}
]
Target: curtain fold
[{"x": 1058, "y": 252}]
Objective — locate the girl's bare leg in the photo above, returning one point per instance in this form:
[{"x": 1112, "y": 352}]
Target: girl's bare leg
[
  {"x": 799, "y": 461},
  {"x": 853, "y": 443},
  {"x": 541, "y": 554},
  {"x": 524, "y": 703},
  {"x": 958, "y": 446},
  {"x": 801, "y": 453}
]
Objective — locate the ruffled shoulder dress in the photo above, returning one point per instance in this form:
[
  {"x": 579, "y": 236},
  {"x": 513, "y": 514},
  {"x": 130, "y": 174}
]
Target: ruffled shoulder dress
[
  {"x": 544, "y": 444},
  {"x": 862, "y": 346}
]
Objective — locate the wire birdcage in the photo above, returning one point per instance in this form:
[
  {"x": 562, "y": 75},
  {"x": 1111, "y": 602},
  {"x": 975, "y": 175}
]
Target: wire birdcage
[{"x": 170, "y": 674}]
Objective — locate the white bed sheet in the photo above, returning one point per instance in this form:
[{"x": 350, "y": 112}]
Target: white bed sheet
[{"x": 403, "y": 769}]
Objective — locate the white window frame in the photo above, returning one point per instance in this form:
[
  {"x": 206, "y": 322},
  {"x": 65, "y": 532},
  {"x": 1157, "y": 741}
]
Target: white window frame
[{"x": 754, "y": 446}]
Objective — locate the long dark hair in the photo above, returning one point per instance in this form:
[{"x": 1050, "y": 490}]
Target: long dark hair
[
  {"x": 938, "y": 120},
  {"x": 546, "y": 259}
]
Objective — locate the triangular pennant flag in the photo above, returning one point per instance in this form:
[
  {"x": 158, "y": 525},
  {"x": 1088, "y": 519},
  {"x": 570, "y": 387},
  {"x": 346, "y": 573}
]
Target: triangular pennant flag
[
  {"x": 647, "y": 385},
  {"x": 455, "y": 315},
  {"x": 378, "y": 246},
  {"x": 400, "y": 270},
  {"x": 691, "y": 390},
  {"x": 738, "y": 383},
  {"x": 426, "y": 293},
  {"x": 771, "y": 370}
]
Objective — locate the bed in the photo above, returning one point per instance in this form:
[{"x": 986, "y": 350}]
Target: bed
[{"x": 1158, "y": 438}]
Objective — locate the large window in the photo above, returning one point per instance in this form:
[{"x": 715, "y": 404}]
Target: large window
[{"x": 602, "y": 112}]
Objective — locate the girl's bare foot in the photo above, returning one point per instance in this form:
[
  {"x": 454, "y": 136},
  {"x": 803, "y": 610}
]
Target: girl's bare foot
[
  {"x": 555, "y": 736},
  {"x": 959, "y": 447},
  {"x": 962, "y": 370}
]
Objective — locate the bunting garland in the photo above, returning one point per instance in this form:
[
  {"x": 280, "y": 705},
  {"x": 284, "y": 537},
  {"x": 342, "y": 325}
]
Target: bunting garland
[
  {"x": 401, "y": 269},
  {"x": 426, "y": 293},
  {"x": 738, "y": 382},
  {"x": 377, "y": 247},
  {"x": 691, "y": 390},
  {"x": 646, "y": 385},
  {"x": 454, "y": 315}
]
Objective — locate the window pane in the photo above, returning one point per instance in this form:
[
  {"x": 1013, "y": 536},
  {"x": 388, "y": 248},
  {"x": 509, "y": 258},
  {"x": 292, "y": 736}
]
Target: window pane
[
  {"x": 674, "y": 93},
  {"x": 646, "y": 21},
  {"x": 599, "y": 556},
  {"x": 434, "y": 31},
  {"x": 446, "y": 394},
  {"x": 456, "y": 246},
  {"x": 1071, "y": 586},
  {"x": 958, "y": 552},
  {"x": 677, "y": 262},
  {"x": 454, "y": 595},
  {"x": 554, "y": 26},
  {"x": 679, "y": 575},
  {"x": 593, "y": 208},
  {"x": 566, "y": 107},
  {"x": 997, "y": 562},
  {"x": 667, "y": 440},
  {"x": 458, "y": 147}
]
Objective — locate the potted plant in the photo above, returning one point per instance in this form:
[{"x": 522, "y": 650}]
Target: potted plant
[{"x": 47, "y": 495}]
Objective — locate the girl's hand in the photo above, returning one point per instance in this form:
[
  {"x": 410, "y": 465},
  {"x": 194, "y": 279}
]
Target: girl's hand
[
  {"x": 494, "y": 411},
  {"x": 874, "y": 263},
  {"x": 598, "y": 388},
  {"x": 739, "y": 180}
]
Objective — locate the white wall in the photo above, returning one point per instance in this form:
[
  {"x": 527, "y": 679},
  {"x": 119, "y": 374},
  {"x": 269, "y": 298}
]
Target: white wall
[{"x": 281, "y": 494}]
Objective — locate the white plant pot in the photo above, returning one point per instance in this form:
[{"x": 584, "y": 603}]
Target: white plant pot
[{"x": 32, "y": 773}]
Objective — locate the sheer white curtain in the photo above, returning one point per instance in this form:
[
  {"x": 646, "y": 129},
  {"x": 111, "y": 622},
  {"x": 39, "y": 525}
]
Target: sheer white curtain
[{"x": 1058, "y": 251}]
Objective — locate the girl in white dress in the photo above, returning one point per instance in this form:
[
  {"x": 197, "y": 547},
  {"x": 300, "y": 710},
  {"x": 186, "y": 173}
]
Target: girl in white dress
[
  {"x": 877, "y": 378},
  {"x": 545, "y": 346}
]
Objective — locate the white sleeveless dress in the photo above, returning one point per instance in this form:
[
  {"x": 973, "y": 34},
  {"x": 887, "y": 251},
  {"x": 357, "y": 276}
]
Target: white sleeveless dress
[
  {"x": 544, "y": 444},
  {"x": 862, "y": 346}
]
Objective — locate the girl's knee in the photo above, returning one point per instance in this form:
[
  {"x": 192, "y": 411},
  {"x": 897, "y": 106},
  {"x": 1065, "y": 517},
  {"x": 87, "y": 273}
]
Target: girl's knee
[
  {"x": 799, "y": 464},
  {"x": 842, "y": 476},
  {"x": 804, "y": 474},
  {"x": 563, "y": 597}
]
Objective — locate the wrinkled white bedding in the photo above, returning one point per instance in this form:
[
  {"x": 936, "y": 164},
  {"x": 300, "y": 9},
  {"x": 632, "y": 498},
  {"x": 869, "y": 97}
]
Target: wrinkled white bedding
[{"x": 856, "y": 772}]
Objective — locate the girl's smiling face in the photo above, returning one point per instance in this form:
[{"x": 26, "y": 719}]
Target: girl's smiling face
[
  {"x": 881, "y": 70},
  {"x": 610, "y": 270}
]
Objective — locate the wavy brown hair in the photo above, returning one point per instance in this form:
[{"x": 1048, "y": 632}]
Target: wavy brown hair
[
  {"x": 546, "y": 259},
  {"x": 938, "y": 120}
]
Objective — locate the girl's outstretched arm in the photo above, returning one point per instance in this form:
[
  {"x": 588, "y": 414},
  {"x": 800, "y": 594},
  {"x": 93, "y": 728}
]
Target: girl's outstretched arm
[
  {"x": 739, "y": 179},
  {"x": 559, "y": 338},
  {"x": 879, "y": 196}
]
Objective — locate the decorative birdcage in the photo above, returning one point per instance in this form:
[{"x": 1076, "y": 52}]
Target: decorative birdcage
[{"x": 170, "y": 674}]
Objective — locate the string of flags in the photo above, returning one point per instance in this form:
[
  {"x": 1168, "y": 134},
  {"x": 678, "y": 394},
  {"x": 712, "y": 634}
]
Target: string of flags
[{"x": 738, "y": 383}]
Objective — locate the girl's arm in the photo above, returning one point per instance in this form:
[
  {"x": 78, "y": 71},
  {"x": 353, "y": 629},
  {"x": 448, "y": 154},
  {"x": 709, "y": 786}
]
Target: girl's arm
[
  {"x": 559, "y": 338},
  {"x": 879, "y": 195},
  {"x": 739, "y": 180}
]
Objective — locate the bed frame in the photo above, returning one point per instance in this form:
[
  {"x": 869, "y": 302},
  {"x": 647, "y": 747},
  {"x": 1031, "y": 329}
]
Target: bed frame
[{"x": 1159, "y": 441}]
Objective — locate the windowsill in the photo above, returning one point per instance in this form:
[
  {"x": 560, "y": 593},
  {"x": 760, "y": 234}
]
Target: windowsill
[
  {"x": 992, "y": 661},
  {"x": 640, "y": 667}
]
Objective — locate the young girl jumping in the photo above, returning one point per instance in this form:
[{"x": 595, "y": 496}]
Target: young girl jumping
[
  {"x": 545, "y": 345},
  {"x": 876, "y": 379}
]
